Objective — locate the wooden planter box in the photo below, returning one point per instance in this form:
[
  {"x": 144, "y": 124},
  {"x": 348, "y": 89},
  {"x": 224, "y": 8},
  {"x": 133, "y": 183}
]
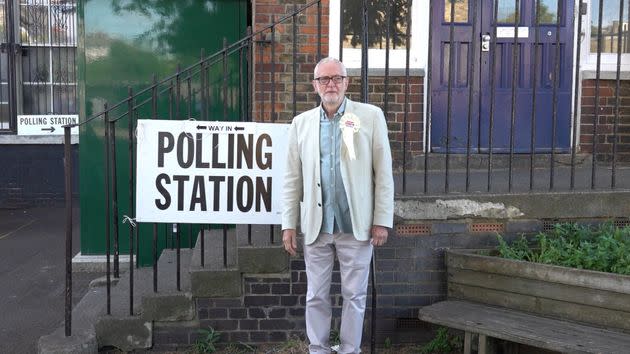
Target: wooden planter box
[{"x": 601, "y": 299}]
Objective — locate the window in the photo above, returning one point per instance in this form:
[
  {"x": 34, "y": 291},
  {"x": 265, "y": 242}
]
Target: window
[
  {"x": 48, "y": 35},
  {"x": 45, "y": 40},
  {"x": 461, "y": 10},
  {"x": 611, "y": 31},
  {"x": 349, "y": 33}
]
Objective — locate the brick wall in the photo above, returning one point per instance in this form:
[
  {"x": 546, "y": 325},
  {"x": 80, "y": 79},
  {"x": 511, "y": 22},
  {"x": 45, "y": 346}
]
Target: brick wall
[
  {"x": 606, "y": 120},
  {"x": 410, "y": 274},
  {"x": 33, "y": 175},
  {"x": 395, "y": 111}
]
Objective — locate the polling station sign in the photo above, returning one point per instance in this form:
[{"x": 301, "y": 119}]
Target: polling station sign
[{"x": 210, "y": 172}]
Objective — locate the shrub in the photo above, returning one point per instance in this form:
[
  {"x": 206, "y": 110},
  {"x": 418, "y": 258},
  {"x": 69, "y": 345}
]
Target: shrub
[
  {"x": 603, "y": 248},
  {"x": 443, "y": 342}
]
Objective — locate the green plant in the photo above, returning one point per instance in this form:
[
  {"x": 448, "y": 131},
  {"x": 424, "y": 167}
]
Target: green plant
[
  {"x": 334, "y": 337},
  {"x": 603, "y": 248},
  {"x": 207, "y": 343},
  {"x": 443, "y": 342},
  {"x": 388, "y": 343}
]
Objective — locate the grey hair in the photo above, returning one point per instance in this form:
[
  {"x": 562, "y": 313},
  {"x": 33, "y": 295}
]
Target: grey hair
[{"x": 331, "y": 59}]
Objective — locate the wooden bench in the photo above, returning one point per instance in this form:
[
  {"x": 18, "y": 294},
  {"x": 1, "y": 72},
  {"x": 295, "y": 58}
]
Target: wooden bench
[{"x": 515, "y": 326}]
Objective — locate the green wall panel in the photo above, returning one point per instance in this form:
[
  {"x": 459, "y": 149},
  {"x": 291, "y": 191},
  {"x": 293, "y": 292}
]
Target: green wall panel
[{"x": 123, "y": 44}]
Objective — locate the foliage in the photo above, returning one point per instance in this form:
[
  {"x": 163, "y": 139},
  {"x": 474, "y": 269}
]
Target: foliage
[
  {"x": 604, "y": 248},
  {"x": 177, "y": 27},
  {"x": 388, "y": 343},
  {"x": 378, "y": 21},
  {"x": 334, "y": 337},
  {"x": 443, "y": 342},
  {"x": 207, "y": 343}
]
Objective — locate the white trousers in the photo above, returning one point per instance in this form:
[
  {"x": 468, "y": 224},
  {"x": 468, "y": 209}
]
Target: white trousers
[{"x": 354, "y": 264}]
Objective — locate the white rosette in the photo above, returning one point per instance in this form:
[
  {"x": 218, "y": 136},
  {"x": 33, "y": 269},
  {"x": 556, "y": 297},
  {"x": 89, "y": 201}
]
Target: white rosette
[{"x": 349, "y": 124}]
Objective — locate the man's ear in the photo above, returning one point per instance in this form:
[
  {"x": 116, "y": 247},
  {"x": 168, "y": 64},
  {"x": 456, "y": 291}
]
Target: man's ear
[{"x": 314, "y": 83}]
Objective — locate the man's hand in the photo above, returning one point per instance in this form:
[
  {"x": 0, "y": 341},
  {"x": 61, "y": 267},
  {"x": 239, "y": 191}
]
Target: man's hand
[
  {"x": 289, "y": 241},
  {"x": 379, "y": 235}
]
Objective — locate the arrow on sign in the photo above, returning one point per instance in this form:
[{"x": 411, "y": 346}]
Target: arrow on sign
[
  {"x": 51, "y": 129},
  {"x": 201, "y": 127},
  {"x": 239, "y": 128}
]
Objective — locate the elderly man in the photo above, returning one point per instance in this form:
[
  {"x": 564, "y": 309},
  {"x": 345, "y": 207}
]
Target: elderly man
[{"x": 339, "y": 185}]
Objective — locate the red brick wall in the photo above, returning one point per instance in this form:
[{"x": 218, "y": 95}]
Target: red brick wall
[
  {"x": 605, "y": 120},
  {"x": 267, "y": 10},
  {"x": 395, "y": 112},
  {"x": 307, "y": 37}
]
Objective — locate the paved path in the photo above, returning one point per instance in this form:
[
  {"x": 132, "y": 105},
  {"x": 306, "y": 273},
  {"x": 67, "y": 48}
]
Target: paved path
[{"x": 32, "y": 276}]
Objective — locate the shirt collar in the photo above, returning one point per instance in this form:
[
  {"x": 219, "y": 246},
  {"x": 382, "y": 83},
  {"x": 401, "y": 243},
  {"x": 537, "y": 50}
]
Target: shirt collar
[{"x": 340, "y": 111}]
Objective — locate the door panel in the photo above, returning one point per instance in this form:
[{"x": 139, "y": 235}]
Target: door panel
[
  {"x": 492, "y": 106},
  {"x": 464, "y": 53}
]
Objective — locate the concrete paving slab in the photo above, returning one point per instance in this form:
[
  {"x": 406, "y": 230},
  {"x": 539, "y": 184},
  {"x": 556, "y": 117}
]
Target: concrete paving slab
[{"x": 32, "y": 274}]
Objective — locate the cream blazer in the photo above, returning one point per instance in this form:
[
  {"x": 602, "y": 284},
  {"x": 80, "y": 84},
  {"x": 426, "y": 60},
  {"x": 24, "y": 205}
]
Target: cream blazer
[{"x": 367, "y": 180}]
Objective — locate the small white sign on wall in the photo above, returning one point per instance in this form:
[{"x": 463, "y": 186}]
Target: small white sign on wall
[
  {"x": 46, "y": 124},
  {"x": 210, "y": 172},
  {"x": 508, "y": 32}
]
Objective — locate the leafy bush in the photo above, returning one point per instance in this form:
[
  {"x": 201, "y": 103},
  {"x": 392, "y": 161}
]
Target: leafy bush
[
  {"x": 604, "y": 248},
  {"x": 207, "y": 343},
  {"x": 443, "y": 342}
]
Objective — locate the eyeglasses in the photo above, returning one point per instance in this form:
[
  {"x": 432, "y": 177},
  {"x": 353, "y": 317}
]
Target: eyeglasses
[{"x": 325, "y": 80}]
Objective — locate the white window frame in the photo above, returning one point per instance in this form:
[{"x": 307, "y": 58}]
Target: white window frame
[
  {"x": 376, "y": 57},
  {"x": 588, "y": 60}
]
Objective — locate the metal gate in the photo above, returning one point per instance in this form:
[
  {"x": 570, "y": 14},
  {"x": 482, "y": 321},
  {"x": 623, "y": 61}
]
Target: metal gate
[{"x": 37, "y": 59}]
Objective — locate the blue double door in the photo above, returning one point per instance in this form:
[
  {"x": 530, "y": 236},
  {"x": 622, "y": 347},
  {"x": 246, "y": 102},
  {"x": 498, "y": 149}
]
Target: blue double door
[{"x": 489, "y": 109}]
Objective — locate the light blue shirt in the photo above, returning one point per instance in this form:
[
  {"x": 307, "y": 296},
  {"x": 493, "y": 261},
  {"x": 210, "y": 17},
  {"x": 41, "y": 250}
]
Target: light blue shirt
[{"x": 336, "y": 211}]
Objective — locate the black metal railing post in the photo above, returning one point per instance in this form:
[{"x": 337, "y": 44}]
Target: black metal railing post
[
  {"x": 250, "y": 75},
  {"x": 515, "y": 66},
  {"x": 294, "y": 66},
  {"x": 427, "y": 127},
  {"x": 179, "y": 260},
  {"x": 155, "y": 258},
  {"x": 554, "y": 99},
  {"x": 493, "y": 56},
  {"x": 613, "y": 179},
  {"x": 471, "y": 89},
  {"x": 576, "y": 95},
  {"x": 114, "y": 196},
  {"x": 597, "y": 86},
  {"x": 68, "y": 200},
  {"x": 365, "y": 44},
  {"x": 449, "y": 93},
  {"x": 272, "y": 100},
  {"x": 154, "y": 115},
  {"x": 535, "y": 69},
  {"x": 342, "y": 4},
  {"x": 319, "y": 31},
  {"x": 107, "y": 215},
  {"x": 388, "y": 15},
  {"x": 131, "y": 212}
]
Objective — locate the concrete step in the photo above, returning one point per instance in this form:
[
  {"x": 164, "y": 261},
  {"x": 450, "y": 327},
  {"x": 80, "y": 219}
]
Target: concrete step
[
  {"x": 127, "y": 328},
  {"x": 260, "y": 249},
  {"x": 219, "y": 275},
  {"x": 131, "y": 322},
  {"x": 169, "y": 303}
]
